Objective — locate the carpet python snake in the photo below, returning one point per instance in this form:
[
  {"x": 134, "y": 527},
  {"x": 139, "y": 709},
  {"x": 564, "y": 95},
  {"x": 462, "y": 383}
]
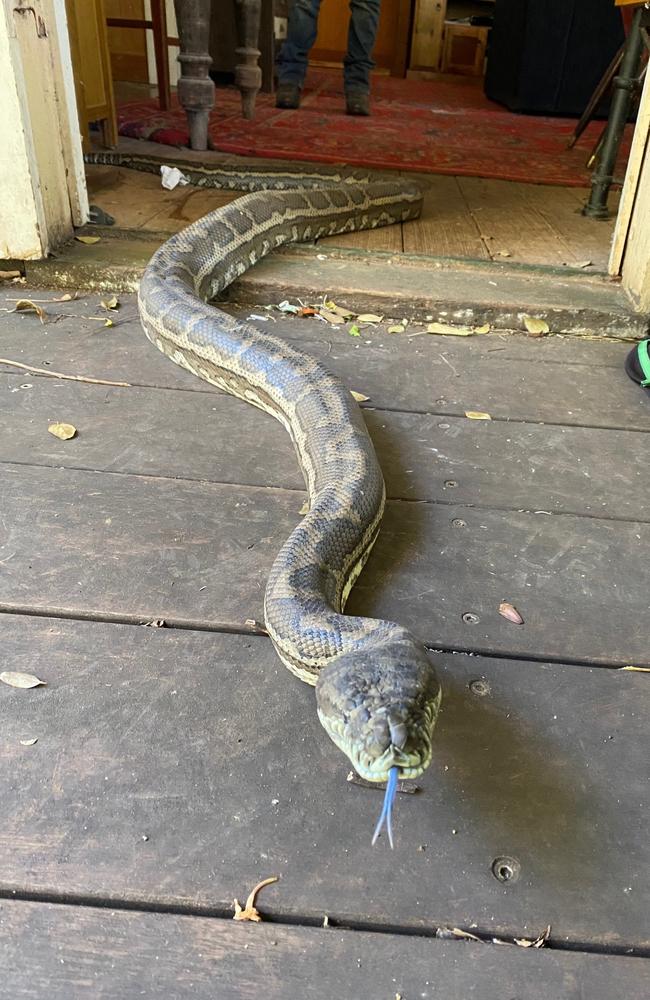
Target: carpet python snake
[{"x": 377, "y": 694}]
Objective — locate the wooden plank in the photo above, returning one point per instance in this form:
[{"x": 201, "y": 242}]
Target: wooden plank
[
  {"x": 587, "y": 239},
  {"x": 388, "y": 238},
  {"x": 209, "y": 748},
  {"x": 513, "y": 378},
  {"x": 139, "y": 201},
  {"x": 510, "y": 225},
  {"x": 151, "y": 432},
  {"x": 122, "y": 955},
  {"x": 445, "y": 228},
  {"x": 169, "y": 545}
]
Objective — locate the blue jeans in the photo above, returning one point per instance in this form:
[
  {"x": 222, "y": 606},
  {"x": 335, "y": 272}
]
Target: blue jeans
[{"x": 301, "y": 35}]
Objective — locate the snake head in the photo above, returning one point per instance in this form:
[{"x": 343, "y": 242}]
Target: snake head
[{"x": 379, "y": 703}]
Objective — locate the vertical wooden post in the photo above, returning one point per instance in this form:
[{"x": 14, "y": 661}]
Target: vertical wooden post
[
  {"x": 248, "y": 75},
  {"x": 159, "y": 21},
  {"x": 195, "y": 88}
]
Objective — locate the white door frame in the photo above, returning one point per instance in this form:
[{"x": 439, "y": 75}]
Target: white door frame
[{"x": 42, "y": 184}]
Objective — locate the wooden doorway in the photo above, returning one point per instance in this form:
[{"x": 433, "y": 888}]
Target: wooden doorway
[{"x": 391, "y": 48}]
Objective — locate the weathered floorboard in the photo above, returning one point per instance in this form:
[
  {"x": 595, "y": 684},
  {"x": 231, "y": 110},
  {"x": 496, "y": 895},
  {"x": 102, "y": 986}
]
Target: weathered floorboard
[
  {"x": 121, "y": 955},
  {"x": 512, "y": 378},
  {"x": 91, "y": 543},
  {"x": 178, "y": 768},
  {"x": 213, "y": 437}
]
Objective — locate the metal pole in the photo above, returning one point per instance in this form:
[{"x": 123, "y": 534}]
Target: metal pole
[{"x": 624, "y": 86}]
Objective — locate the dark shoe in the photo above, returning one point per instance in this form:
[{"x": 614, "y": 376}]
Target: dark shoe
[
  {"x": 287, "y": 96},
  {"x": 357, "y": 102}
]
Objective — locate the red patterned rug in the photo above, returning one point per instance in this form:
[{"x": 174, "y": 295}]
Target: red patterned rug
[{"x": 436, "y": 127}]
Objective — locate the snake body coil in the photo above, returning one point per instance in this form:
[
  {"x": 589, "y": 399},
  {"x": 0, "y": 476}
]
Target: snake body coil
[{"x": 377, "y": 693}]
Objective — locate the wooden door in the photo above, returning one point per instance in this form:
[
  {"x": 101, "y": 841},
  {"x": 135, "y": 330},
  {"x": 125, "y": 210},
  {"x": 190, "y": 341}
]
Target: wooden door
[
  {"x": 127, "y": 46},
  {"x": 91, "y": 68},
  {"x": 390, "y": 50}
]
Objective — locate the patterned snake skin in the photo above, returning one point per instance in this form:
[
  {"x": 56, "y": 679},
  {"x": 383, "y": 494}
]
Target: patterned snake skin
[{"x": 377, "y": 693}]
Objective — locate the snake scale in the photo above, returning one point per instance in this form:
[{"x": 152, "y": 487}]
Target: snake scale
[{"x": 377, "y": 693}]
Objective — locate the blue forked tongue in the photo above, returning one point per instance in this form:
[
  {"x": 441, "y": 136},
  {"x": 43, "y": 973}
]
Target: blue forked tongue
[{"x": 387, "y": 808}]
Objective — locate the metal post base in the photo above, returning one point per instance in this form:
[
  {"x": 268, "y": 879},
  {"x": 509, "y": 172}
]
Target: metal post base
[{"x": 624, "y": 85}]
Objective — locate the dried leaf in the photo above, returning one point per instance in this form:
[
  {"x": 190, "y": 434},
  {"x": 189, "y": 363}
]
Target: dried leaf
[
  {"x": 449, "y": 331},
  {"x": 155, "y": 623},
  {"x": 339, "y": 310},
  {"x": 29, "y": 743},
  {"x": 354, "y": 331},
  {"x": 108, "y": 322},
  {"x": 359, "y": 396},
  {"x": 16, "y": 679},
  {"x": 457, "y": 932},
  {"x": 331, "y": 317},
  {"x": 637, "y": 670},
  {"x": 537, "y": 942},
  {"x": 62, "y": 431},
  {"x": 249, "y": 912},
  {"x": 369, "y": 318},
  {"x": 536, "y": 327},
  {"x": 307, "y": 311},
  {"x": 477, "y": 415},
  {"x": 68, "y": 297},
  {"x": 585, "y": 263},
  {"x": 396, "y": 329},
  {"x": 112, "y": 303},
  {"x": 304, "y": 509},
  {"x": 510, "y": 612},
  {"x": 88, "y": 240},
  {"x": 26, "y": 305},
  {"x": 482, "y": 329}
]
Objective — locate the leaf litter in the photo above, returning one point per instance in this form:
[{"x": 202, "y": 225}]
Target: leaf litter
[
  {"x": 250, "y": 911},
  {"x": 17, "y": 679},
  {"x": 64, "y": 432}
]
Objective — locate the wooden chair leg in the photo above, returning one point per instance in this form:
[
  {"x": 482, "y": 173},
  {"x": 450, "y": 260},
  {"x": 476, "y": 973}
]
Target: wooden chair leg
[{"x": 159, "y": 21}]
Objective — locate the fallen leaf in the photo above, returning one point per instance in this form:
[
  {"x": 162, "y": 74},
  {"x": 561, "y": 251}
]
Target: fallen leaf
[
  {"x": 331, "y": 317},
  {"x": 155, "y": 623},
  {"x": 537, "y": 942},
  {"x": 510, "y": 612},
  {"x": 304, "y": 509},
  {"x": 585, "y": 263},
  {"x": 396, "y": 329},
  {"x": 637, "y": 670},
  {"x": 26, "y": 305},
  {"x": 29, "y": 743},
  {"x": 354, "y": 331},
  {"x": 359, "y": 396},
  {"x": 68, "y": 297},
  {"x": 477, "y": 415},
  {"x": 108, "y": 322},
  {"x": 62, "y": 431},
  {"x": 369, "y": 318},
  {"x": 482, "y": 329},
  {"x": 112, "y": 303},
  {"x": 535, "y": 326},
  {"x": 339, "y": 310},
  {"x": 449, "y": 331},
  {"x": 307, "y": 311},
  {"x": 249, "y": 912},
  {"x": 16, "y": 679},
  {"x": 88, "y": 240},
  {"x": 457, "y": 932}
]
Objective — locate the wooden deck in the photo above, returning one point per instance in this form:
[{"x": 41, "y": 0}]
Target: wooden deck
[{"x": 177, "y": 766}]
